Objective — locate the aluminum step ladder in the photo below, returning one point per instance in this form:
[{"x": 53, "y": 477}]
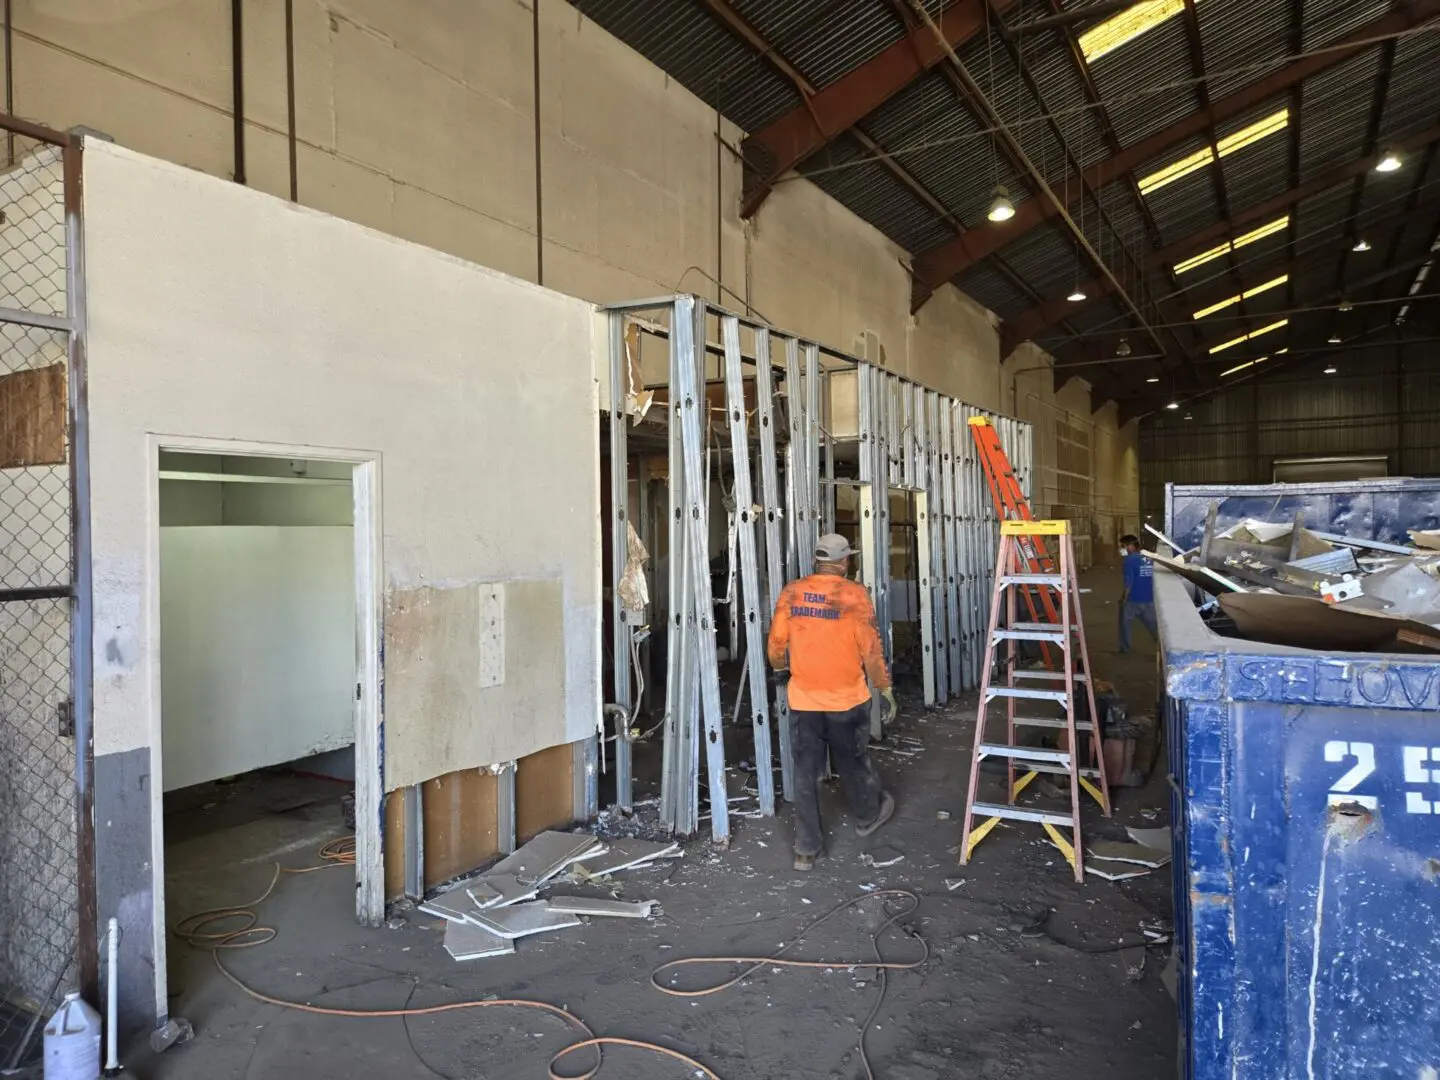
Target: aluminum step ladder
[{"x": 1066, "y": 634}]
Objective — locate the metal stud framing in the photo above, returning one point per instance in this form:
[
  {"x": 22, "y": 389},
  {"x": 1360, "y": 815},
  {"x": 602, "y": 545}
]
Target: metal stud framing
[{"x": 909, "y": 439}]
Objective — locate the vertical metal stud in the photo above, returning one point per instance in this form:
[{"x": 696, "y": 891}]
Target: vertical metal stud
[
  {"x": 621, "y": 629},
  {"x": 749, "y": 562},
  {"x": 774, "y": 548},
  {"x": 414, "y": 806},
  {"x": 691, "y": 404},
  {"x": 505, "y": 808}
]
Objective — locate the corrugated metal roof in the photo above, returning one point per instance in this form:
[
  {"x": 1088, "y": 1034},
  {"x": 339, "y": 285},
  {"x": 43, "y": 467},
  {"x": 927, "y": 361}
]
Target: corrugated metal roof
[
  {"x": 1241, "y": 42},
  {"x": 1146, "y": 84},
  {"x": 1335, "y": 108},
  {"x": 824, "y": 38}
]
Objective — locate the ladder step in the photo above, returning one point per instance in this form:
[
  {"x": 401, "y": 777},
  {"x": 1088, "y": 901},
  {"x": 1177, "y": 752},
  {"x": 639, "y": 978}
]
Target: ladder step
[
  {"x": 1021, "y": 813},
  {"x": 1035, "y": 754},
  {"x": 1019, "y": 692},
  {"x": 1052, "y": 722},
  {"x": 1029, "y": 635},
  {"x": 1053, "y": 628},
  {"x": 1055, "y": 580},
  {"x": 1048, "y": 676},
  {"x": 1063, "y": 770}
]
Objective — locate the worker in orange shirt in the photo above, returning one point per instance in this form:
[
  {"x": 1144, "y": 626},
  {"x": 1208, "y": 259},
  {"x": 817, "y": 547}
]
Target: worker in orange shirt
[{"x": 824, "y": 634}]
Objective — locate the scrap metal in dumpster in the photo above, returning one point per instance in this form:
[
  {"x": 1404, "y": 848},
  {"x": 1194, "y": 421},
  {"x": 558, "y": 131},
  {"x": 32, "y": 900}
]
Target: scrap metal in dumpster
[{"x": 1306, "y": 827}]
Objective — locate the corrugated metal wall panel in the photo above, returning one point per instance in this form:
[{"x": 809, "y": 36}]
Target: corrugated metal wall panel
[{"x": 1369, "y": 407}]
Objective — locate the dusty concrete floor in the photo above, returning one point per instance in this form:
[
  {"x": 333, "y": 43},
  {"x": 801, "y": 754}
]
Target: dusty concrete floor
[{"x": 991, "y": 1003}]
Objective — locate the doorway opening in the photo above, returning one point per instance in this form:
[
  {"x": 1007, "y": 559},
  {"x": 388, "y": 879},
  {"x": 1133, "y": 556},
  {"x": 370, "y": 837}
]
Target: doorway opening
[{"x": 266, "y": 725}]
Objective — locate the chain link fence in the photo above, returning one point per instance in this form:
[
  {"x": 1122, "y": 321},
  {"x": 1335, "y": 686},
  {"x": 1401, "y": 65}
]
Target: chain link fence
[{"x": 38, "y": 869}]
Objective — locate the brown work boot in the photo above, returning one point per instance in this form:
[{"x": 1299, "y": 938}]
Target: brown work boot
[{"x": 886, "y": 812}]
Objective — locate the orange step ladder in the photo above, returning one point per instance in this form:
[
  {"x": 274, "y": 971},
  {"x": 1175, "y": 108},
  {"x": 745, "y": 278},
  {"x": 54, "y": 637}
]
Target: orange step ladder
[{"x": 1015, "y": 569}]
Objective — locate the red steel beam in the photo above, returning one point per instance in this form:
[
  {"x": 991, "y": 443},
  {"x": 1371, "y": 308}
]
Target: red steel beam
[
  {"x": 787, "y": 141},
  {"x": 1037, "y": 320},
  {"x": 940, "y": 264}
]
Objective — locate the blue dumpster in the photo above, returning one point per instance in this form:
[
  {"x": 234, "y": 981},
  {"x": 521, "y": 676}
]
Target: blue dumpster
[{"x": 1306, "y": 818}]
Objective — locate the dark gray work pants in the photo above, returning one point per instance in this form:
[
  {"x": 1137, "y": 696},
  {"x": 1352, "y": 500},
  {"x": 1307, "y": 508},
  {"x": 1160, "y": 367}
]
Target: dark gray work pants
[{"x": 847, "y": 736}]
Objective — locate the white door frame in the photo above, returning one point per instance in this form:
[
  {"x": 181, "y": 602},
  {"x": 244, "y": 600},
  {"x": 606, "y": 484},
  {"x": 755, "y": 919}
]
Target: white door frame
[{"x": 369, "y": 785}]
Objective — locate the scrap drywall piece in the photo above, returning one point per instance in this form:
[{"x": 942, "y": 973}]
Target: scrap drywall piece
[
  {"x": 589, "y": 905},
  {"x": 499, "y": 890},
  {"x": 466, "y": 941},
  {"x": 882, "y": 857},
  {"x": 1408, "y": 590},
  {"x": 1310, "y": 623},
  {"x": 545, "y": 856},
  {"x": 522, "y": 920},
  {"x": 1116, "y": 871},
  {"x": 1130, "y": 853},
  {"x": 632, "y": 854},
  {"x": 1156, "y": 839},
  {"x": 458, "y": 903}
]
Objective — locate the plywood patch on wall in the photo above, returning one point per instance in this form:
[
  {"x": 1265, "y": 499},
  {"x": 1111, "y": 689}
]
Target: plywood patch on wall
[
  {"x": 544, "y": 796},
  {"x": 32, "y": 417}
]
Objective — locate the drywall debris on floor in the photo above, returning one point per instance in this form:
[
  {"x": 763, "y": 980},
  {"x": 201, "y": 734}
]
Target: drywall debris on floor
[
  {"x": 882, "y": 857},
  {"x": 485, "y": 914}
]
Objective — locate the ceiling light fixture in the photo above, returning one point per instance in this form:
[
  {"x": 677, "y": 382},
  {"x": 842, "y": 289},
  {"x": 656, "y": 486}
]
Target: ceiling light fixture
[
  {"x": 1127, "y": 26},
  {"x": 1345, "y": 305},
  {"x": 1001, "y": 208},
  {"x": 1123, "y": 349},
  {"x": 1361, "y": 245},
  {"x": 1389, "y": 161},
  {"x": 1330, "y": 369},
  {"x": 1076, "y": 296},
  {"x": 1153, "y": 378},
  {"x": 1173, "y": 405},
  {"x": 1188, "y": 416},
  {"x": 1216, "y": 252},
  {"x": 1247, "y": 337}
]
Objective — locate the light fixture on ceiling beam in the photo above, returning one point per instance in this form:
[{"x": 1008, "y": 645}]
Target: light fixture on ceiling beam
[
  {"x": 1076, "y": 295},
  {"x": 1361, "y": 245},
  {"x": 1345, "y": 305},
  {"x": 1153, "y": 378},
  {"x": 1001, "y": 208},
  {"x": 1330, "y": 369},
  {"x": 1333, "y": 339},
  {"x": 1123, "y": 348},
  {"x": 1389, "y": 161},
  {"x": 1173, "y": 405},
  {"x": 1189, "y": 416}
]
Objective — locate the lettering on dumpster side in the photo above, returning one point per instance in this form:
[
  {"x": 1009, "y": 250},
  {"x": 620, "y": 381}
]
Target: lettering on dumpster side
[
  {"x": 1295, "y": 681},
  {"x": 1364, "y": 754},
  {"x": 1416, "y": 761}
]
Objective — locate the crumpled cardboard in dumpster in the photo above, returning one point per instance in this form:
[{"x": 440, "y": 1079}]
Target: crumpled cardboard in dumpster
[{"x": 1310, "y": 623}]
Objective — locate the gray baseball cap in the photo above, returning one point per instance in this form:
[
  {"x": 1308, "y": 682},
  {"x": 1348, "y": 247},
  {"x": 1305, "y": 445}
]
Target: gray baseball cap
[{"x": 832, "y": 547}]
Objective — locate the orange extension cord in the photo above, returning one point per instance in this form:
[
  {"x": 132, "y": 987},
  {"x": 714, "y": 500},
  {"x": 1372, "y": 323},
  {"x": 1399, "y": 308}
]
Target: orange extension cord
[{"x": 197, "y": 931}]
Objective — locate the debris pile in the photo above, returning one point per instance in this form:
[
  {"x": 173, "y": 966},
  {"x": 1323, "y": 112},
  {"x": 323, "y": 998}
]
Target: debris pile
[
  {"x": 1284, "y": 584},
  {"x": 486, "y": 914}
]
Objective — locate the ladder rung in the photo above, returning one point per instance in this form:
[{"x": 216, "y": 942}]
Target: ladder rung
[
  {"x": 1063, "y": 770},
  {"x": 1036, "y": 754},
  {"x": 1048, "y": 676},
  {"x": 1021, "y": 813},
  {"x": 1052, "y": 722},
  {"x": 1030, "y": 635},
  {"x": 1042, "y": 626},
  {"x": 1019, "y": 692},
  {"x": 1055, "y": 580}
]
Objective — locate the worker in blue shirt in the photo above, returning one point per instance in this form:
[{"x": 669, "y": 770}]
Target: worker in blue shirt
[{"x": 1137, "y": 599}]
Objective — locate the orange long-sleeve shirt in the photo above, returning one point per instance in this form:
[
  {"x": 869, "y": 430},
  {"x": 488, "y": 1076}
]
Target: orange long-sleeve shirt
[{"x": 825, "y": 630}]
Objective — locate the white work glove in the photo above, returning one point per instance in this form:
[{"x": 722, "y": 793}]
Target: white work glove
[{"x": 888, "y": 715}]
